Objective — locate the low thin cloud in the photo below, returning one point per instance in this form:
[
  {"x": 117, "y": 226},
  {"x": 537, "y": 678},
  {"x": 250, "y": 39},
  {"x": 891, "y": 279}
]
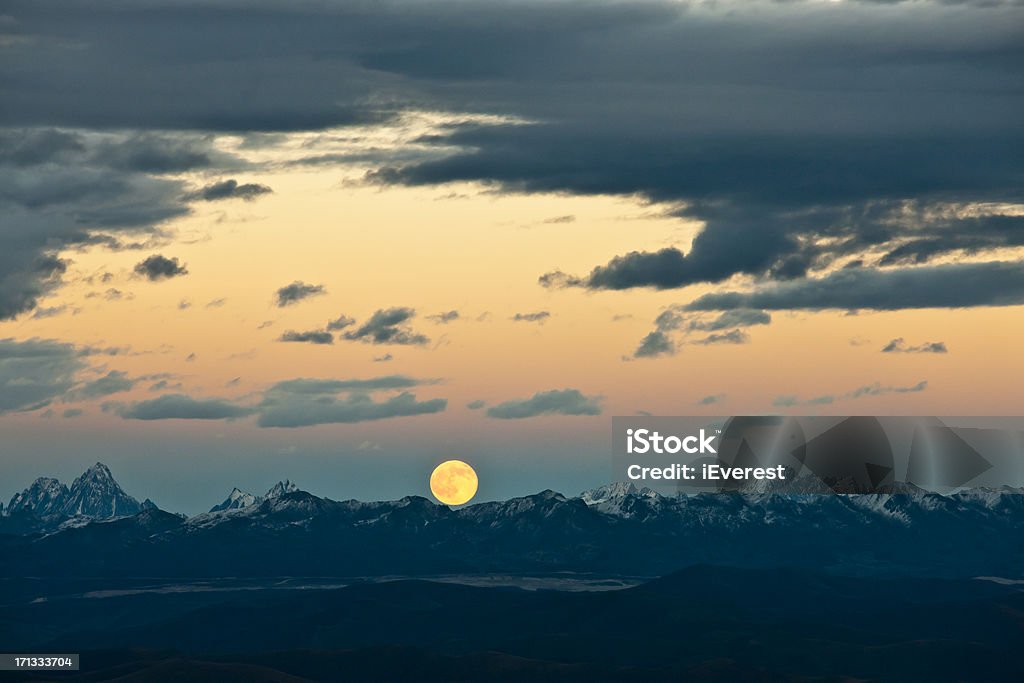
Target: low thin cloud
[
  {"x": 444, "y": 317},
  {"x": 876, "y": 389},
  {"x": 476, "y": 405},
  {"x": 899, "y": 346},
  {"x": 308, "y": 337},
  {"x": 36, "y": 372},
  {"x": 181, "y": 407},
  {"x": 114, "y": 382},
  {"x": 730, "y": 337},
  {"x": 230, "y": 189},
  {"x": 535, "y": 317},
  {"x": 556, "y": 402},
  {"x": 711, "y": 399}
]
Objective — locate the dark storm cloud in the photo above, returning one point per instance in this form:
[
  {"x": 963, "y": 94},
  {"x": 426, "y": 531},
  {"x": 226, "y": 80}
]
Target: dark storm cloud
[
  {"x": 308, "y": 337},
  {"x": 61, "y": 190},
  {"x": 151, "y": 153},
  {"x": 231, "y": 189},
  {"x": 797, "y": 132},
  {"x": 388, "y": 326},
  {"x": 296, "y": 292},
  {"x": 36, "y": 372},
  {"x": 181, "y": 407},
  {"x": 899, "y": 346},
  {"x": 995, "y": 283},
  {"x": 159, "y": 267},
  {"x": 556, "y": 402}
]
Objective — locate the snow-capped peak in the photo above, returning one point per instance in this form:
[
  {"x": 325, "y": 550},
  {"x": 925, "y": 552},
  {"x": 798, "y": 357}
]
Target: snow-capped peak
[
  {"x": 236, "y": 500},
  {"x": 281, "y": 488},
  {"x": 96, "y": 494},
  {"x": 619, "y": 489},
  {"x": 46, "y": 496}
]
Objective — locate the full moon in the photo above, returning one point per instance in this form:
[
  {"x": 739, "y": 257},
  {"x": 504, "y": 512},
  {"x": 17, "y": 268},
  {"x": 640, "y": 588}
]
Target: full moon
[{"x": 453, "y": 482}]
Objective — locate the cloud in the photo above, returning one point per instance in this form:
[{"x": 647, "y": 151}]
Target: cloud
[
  {"x": 114, "y": 382},
  {"x": 656, "y": 343},
  {"x": 305, "y": 402},
  {"x": 50, "y": 312},
  {"x": 958, "y": 285},
  {"x": 387, "y": 326},
  {"x": 733, "y": 318},
  {"x": 159, "y": 267},
  {"x": 784, "y": 137},
  {"x": 536, "y": 317},
  {"x": 730, "y": 337},
  {"x": 163, "y": 385},
  {"x": 296, "y": 402},
  {"x": 296, "y": 292},
  {"x": 181, "y": 407},
  {"x": 216, "y": 303},
  {"x": 334, "y": 386},
  {"x": 35, "y": 372},
  {"x": 476, "y": 405},
  {"x": 899, "y": 346},
  {"x": 383, "y": 359},
  {"x": 875, "y": 389},
  {"x": 341, "y": 322},
  {"x": 75, "y": 189},
  {"x": 444, "y": 317},
  {"x": 299, "y": 412},
  {"x": 309, "y": 337},
  {"x": 230, "y": 189},
  {"x": 556, "y": 402},
  {"x": 560, "y": 219},
  {"x": 711, "y": 399},
  {"x": 73, "y": 412},
  {"x": 678, "y": 321}
]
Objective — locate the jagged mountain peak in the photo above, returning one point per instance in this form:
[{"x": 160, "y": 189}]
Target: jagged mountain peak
[
  {"x": 98, "y": 472},
  {"x": 236, "y": 500},
  {"x": 619, "y": 489},
  {"x": 44, "y": 497},
  {"x": 97, "y": 494},
  {"x": 281, "y": 488}
]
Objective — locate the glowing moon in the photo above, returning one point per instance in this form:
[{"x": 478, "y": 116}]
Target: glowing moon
[{"x": 453, "y": 482}]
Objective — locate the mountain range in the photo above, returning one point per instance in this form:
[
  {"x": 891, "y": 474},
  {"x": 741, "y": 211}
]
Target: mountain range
[{"x": 617, "y": 529}]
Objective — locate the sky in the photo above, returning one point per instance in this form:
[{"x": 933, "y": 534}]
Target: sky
[{"x": 341, "y": 242}]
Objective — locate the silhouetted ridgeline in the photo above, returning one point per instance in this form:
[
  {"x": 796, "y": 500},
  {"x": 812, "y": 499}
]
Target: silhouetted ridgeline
[{"x": 616, "y": 529}]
